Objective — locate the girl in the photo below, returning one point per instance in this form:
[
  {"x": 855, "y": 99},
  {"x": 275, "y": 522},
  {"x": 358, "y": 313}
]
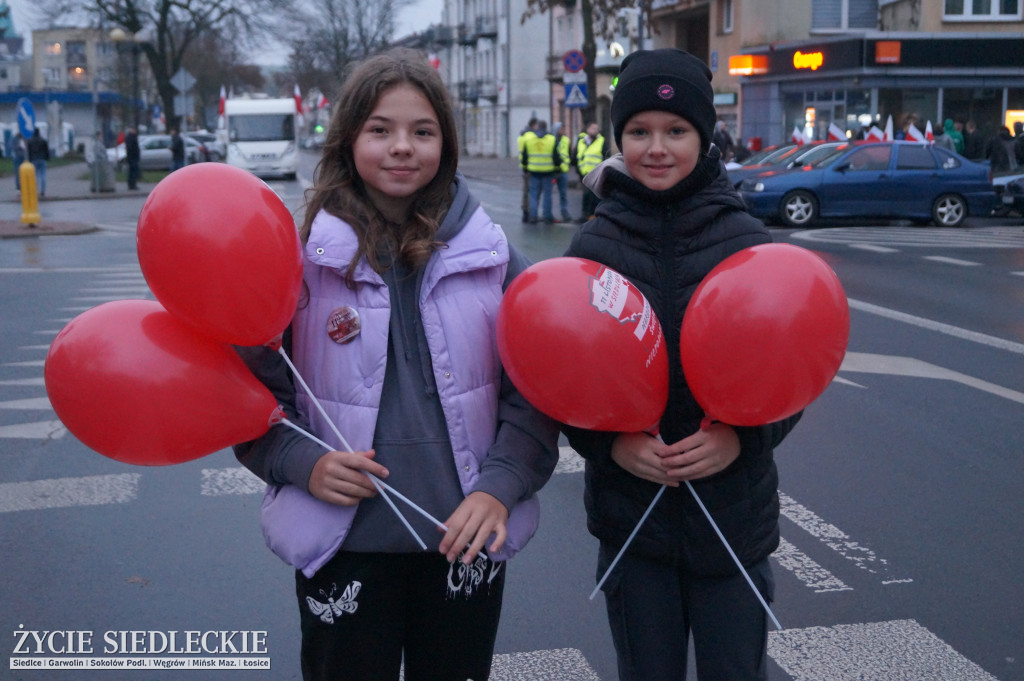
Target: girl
[
  {"x": 668, "y": 215},
  {"x": 404, "y": 273}
]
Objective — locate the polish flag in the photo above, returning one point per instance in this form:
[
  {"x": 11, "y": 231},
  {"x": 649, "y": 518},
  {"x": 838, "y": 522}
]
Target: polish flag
[
  {"x": 434, "y": 60},
  {"x": 915, "y": 135},
  {"x": 835, "y": 134},
  {"x": 321, "y": 101},
  {"x": 298, "y": 100},
  {"x": 928, "y": 134},
  {"x": 220, "y": 108},
  {"x": 797, "y": 137},
  {"x": 875, "y": 135},
  {"x": 888, "y": 130}
]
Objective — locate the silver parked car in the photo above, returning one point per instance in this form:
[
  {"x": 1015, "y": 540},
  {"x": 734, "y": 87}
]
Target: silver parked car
[{"x": 155, "y": 152}]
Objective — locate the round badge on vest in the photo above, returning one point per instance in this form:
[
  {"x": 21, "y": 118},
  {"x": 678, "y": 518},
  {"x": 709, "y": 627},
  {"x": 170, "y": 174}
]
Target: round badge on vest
[{"x": 343, "y": 324}]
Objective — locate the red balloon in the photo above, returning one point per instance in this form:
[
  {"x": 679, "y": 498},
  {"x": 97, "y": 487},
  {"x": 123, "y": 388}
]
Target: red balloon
[
  {"x": 135, "y": 384},
  {"x": 583, "y": 345},
  {"x": 220, "y": 250},
  {"x": 764, "y": 334}
]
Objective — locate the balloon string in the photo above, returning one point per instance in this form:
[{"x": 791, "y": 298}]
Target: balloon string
[
  {"x": 377, "y": 482},
  {"x": 628, "y": 541},
  {"x": 734, "y": 558}
]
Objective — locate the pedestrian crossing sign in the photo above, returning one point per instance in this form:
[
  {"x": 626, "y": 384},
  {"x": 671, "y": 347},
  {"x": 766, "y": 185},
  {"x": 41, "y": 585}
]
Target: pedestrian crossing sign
[{"x": 576, "y": 95}]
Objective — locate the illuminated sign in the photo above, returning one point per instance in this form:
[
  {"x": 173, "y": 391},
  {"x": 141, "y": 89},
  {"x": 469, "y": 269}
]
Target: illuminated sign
[
  {"x": 808, "y": 60},
  {"x": 887, "y": 52},
  {"x": 748, "y": 64}
]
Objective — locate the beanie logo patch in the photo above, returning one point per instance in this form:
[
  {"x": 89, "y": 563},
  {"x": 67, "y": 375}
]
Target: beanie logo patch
[{"x": 666, "y": 91}]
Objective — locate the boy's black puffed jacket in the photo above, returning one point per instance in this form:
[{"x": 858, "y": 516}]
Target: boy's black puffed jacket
[{"x": 665, "y": 243}]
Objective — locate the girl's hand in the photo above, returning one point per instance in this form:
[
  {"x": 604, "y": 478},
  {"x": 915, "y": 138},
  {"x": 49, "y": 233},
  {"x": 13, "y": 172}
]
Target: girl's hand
[
  {"x": 472, "y": 523},
  {"x": 704, "y": 453},
  {"x": 340, "y": 477},
  {"x": 641, "y": 455}
]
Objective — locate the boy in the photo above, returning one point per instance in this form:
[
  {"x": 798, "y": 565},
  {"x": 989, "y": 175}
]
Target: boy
[{"x": 667, "y": 216}]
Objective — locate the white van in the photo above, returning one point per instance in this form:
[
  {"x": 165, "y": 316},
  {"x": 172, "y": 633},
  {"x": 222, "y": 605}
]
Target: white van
[{"x": 262, "y": 136}]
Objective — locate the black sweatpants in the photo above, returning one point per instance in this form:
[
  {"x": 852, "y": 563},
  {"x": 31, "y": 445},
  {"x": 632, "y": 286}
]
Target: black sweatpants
[
  {"x": 653, "y": 608},
  {"x": 361, "y": 613}
]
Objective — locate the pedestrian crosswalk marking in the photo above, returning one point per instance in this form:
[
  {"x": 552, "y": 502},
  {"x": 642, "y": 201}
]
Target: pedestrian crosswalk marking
[
  {"x": 65, "y": 492},
  {"x": 24, "y": 381},
  {"x": 229, "y": 481},
  {"x": 26, "y": 363},
  {"x": 986, "y": 237},
  {"x": 30, "y": 403},
  {"x": 952, "y": 261},
  {"x": 40, "y": 430},
  {"x": 898, "y": 650}
]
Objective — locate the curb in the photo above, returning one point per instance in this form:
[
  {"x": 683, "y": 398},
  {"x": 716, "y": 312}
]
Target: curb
[{"x": 14, "y": 229}]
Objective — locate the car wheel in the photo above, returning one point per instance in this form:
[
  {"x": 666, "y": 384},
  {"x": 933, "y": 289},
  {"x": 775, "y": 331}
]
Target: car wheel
[
  {"x": 799, "y": 208},
  {"x": 949, "y": 210}
]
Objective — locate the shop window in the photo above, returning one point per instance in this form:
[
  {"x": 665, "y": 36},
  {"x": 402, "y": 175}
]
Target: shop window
[
  {"x": 982, "y": 10},
  {"x": 726, "y": 19}
]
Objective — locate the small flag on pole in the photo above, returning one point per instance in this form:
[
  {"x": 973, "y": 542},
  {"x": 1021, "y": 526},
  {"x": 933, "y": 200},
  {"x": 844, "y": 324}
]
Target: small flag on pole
[
  {"x": 220, "y": 108},
  {"x": 836, "y": 134},
  {"x": 915, "y": 135},
  {"x": 928, "y": 134},
  {"x": 875, "y": 135},
  {"x": 798, "y": 136},
  {"x": 888, "y": 130}
]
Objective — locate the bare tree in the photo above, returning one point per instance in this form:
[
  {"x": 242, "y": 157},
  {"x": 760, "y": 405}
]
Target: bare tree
[
  {"x": 172, "y": 28},
  {"x": 339, "y": 33},
  {"x": 599, "y": 19}
]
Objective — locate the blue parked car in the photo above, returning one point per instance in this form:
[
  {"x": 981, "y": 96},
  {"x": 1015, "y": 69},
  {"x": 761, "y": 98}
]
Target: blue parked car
[{"x": 907, "y": 180}]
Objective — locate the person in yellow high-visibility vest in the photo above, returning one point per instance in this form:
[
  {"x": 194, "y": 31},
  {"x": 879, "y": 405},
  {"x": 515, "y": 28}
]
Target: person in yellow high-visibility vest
[
  {"x": 591, "y": 149},
  {"x": 530, "y": 127},
  {"x": 536, "y": 159}
]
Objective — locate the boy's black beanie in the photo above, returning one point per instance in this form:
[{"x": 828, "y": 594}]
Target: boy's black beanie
[{"x": 667, "y": 79}]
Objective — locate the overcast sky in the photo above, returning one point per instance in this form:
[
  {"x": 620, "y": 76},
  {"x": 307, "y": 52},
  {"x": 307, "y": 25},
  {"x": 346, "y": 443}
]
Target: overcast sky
[{"x": 416, "y": 17}]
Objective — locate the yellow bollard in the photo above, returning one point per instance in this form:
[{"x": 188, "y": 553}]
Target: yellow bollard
[{"x": 29, "y": 197}]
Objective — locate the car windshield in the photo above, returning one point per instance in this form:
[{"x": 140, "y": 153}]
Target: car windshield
[
  {"x": 758, "y": 157},
  {"x": 822, "y": 156}
]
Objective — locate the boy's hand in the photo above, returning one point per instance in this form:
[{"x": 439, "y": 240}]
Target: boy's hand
[
  {"x": 704, "y": 453},
  {"x": 641, "y": 455},
  {"x": 477, "y": 517},
  {"x": 340, "y": 477}
]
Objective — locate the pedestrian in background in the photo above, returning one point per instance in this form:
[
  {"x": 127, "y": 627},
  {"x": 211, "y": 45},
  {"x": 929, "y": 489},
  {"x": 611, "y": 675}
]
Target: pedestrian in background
[
  {"x": 538, "y": 160},
  {"x": 530, "y": 127},
  {"x": 723, "y": 140},
  {"x": 1000, "y": 153},
  {"x": 177, "y": 150},
  {"x": 562, "y": 160},
  {"x": 974, "y": 145},
  {"x": 132, "y": 157},
  {"x": 38, "y": 150},
  {"x": 668, "y": 215},
  {"x": 591, "y": 149},
  {"x": 1018, "y": 142},
  {"x": 954, "y": 134},
  {"x": 395, "y": 244}
]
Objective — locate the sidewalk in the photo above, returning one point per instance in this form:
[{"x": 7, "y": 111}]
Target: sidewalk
[{"x": 70, "y": 182}]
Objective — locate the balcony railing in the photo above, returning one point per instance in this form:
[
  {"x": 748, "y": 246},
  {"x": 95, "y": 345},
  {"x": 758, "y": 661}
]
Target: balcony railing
[
  {"x": 487, "y": 88},
  {"x": 467, "y": 34}
]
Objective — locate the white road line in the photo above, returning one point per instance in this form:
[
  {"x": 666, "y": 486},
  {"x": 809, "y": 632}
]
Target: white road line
[
  {"x": 560, "y": 664},
  {"x": 806, "y": 570},
  {"x": 836, "y": 539},
  {"x": 34, "y": 347},
  {"x": 107, "y": 298},
  {"x": 68, "y": 270},
  {"x": 25, "y": 381},
  {"x": 908, "y": 366},
  {"x": 64, "y": 492},
  {"x": 26, "y": 363},
  {"x": 227, "y": 481},
  {"x": 1019, "y": 274},
  {"x": 40, "y": 430},
  {"x": 899, "y": 650},
  {"x": 30, "y": 403},
  {"x": 951, "y": 261},
  {"x": 142, "y": 291},
  {"x": 569, "y": 461},
  {"x": 874, "y": 249},
  {"x": 954, "y": 331}
]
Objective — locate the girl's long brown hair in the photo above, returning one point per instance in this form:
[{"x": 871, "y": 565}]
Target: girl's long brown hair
[{"x": 337, "y": 187}]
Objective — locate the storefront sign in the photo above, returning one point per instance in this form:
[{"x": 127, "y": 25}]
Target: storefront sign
[
  {"x": 808, "y": 60},
  {"x": 748, "y": 64},
  {"x": 887, "y": 52}
]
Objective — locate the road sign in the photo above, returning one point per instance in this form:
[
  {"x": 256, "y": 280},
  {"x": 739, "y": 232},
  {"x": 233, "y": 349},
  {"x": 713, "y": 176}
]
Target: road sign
[
  {"x": 576, "y": 95},
  {"x": 574, "y": 61},
  {"x": 26, "y": 118}
]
